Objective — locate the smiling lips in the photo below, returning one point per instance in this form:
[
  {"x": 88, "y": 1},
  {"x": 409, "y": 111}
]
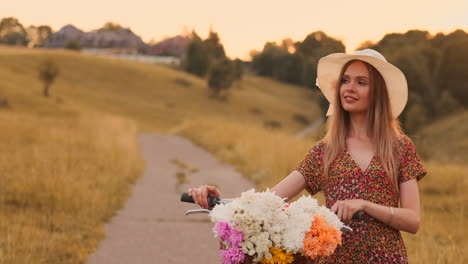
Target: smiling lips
[{"x": 350, "y": 99}]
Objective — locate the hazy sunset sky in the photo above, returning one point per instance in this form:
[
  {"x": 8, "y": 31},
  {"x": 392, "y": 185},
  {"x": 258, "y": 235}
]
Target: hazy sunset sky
[{"x": 244, "y": 25}]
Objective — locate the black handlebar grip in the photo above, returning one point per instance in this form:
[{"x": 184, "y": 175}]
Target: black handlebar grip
[
  {"x": 358, "y": 215},
  {"x": 185, "y": 197},
  {"x": 212, "y": 201}
]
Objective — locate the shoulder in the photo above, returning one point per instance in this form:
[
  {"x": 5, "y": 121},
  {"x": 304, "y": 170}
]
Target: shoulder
[
  {"x": 315, "y": 154},
  {"x": 403, "y": 138},
  {"x": 319, "y": 148},
  {"x": 404, "y": 142},
  {"x": 410, "y": 164}
]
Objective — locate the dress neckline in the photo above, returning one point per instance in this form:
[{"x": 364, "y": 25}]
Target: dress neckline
[{"x": 357, "y": 165}]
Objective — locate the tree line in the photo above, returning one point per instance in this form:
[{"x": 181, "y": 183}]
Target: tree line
[
  {"x": 433, "y": 65},
  {"x": 12, "y": 32}
]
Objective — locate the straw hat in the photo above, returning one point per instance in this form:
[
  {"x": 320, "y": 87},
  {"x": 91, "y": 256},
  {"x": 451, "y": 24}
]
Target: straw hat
[{"x": 329, "y": 69}]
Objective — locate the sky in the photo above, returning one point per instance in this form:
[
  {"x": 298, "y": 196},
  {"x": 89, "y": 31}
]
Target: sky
[{"x": 245, "y": 25}]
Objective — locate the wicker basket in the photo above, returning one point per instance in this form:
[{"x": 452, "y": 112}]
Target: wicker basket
[{"x": 298, "y": 258}]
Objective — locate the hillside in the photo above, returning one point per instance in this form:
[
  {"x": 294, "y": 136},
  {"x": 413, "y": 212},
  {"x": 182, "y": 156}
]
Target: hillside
[
  {"x": 445, "y": 140},
  {"x": 156, "y": 96}
]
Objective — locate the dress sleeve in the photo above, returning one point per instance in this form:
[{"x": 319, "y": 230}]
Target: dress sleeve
[
  {"x": 311, "y": 167},
  {"x": 410, "y": 163}
]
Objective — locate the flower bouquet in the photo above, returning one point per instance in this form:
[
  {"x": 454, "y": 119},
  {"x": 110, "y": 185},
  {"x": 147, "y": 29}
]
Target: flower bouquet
[{"x": 260, "y": 227}]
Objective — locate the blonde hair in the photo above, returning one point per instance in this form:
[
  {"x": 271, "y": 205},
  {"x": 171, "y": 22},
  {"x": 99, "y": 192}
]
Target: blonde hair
[{"x": 383, "y": 128}]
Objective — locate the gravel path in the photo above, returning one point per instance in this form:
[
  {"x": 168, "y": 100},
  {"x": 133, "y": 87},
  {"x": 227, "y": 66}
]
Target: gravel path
[{"x": 152, "y": 227}]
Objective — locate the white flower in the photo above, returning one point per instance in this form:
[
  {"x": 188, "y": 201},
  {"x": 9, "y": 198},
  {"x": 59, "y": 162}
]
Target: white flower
[
  {"x": 267, "y": 221},
  {"x": 331, "y": 218},
  {"x": 259, "y": 216}
]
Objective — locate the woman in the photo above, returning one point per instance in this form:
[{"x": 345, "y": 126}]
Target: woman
[{"x": 364, "y": 162}]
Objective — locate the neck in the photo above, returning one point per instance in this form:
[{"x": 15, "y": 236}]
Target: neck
[{"x": 358, "y": 126}]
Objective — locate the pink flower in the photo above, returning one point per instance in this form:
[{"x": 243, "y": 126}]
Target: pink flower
[
  {"x": 223, "y": 230},
  {"x": 229, "y": 234},
  {"x": 233, "y": 255},
  {"x": 235, "y": 237}
]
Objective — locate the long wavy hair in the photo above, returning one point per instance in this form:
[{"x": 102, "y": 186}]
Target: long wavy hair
[{"x": 382, "y": 128}]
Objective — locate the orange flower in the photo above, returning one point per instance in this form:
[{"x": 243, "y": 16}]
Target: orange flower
[{"x": 321, "y": 240}]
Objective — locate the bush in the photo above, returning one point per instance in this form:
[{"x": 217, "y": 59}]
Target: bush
[
  {"x": 221, "y": 77},
  {"x": 73, "y": 44},
  {"x": 48, "y": 71}
]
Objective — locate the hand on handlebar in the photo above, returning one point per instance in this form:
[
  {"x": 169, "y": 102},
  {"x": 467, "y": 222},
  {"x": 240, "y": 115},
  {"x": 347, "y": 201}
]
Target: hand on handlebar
[{"x": 200, "y": 195}]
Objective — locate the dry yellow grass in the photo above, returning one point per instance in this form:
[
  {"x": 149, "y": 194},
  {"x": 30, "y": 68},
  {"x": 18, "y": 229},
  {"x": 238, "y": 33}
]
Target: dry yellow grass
[
  {"x": 61, "y": 180},
  {"x": 442, "y": 234},
  {"x": 152, "y": 95}
]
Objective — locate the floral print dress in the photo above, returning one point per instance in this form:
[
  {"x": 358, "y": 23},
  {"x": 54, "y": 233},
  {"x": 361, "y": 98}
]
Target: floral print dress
[{"x": 371, "y": 241}]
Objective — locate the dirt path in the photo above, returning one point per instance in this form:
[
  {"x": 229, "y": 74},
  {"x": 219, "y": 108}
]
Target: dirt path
[
  {"x": 310, "y": 128},
  {"x": 152, "y": 227}
]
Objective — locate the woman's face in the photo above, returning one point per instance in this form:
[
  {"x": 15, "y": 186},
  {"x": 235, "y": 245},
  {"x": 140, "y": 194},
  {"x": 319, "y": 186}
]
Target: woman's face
[{"x": 355, "y": 87}]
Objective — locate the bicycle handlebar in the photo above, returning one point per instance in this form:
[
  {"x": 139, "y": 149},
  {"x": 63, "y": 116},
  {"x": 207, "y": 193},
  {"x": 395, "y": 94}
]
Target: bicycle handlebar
[{"x": 213, "y": 201}]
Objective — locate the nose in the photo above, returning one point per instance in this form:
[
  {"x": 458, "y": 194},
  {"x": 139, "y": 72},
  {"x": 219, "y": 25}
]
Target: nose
[{"x": 350, "y": 87}]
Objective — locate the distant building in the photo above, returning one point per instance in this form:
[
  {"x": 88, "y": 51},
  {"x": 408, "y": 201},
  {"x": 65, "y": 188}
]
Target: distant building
[
  {"x": 120, "y": 43},
  {"x": 174, "y": 46},
  {"x": 132, "y": 55}
]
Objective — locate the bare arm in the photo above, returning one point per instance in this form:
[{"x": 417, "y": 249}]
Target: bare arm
[
  {"x": 405, "y": 218},
  {"x": 290, "y": 186}
]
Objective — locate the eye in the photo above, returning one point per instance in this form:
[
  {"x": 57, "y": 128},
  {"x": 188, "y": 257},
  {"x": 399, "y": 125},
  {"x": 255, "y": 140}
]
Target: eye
[
  {"x": 362, "y": 83},
  {"x": 344, "y": 80}
]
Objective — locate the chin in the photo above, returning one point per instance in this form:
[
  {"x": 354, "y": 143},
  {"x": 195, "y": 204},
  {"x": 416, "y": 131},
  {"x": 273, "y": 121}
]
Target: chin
[{"x": 354, "y": 110}]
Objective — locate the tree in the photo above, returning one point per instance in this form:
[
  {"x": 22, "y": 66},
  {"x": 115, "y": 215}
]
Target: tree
[
  {"x": 263, "y": 63},
  {"x": 415, "y": 55},
  {"x": 295, "y": 62},
  {"x": 38, "y": 35},
  {"x": 221, "y": 77},
  {"x": 288, "y": 68},
  {"x": 201, "y": 54},
  {"x": 48, "y": 71},
  {"x": 12, "y": 32},
  {"x": 213, "y": 46},
  {"x": 434, "y": 68},
  {"x": 238, "y": 69},
  {"x": 452, "y": 71},
  {"x": 315, "y": 46},
  {"x": 110, "y": 26},
  {"x": 44, "y": 33},
  {"x": 197, "y": 60}
]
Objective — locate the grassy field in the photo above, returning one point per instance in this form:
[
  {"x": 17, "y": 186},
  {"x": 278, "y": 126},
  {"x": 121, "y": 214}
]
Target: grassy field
[
  {"x": 62, "y": 161},
  {"x": 61, "y": 179}
]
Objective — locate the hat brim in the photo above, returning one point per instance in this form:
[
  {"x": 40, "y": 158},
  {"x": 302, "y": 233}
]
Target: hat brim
[{"x": 329, "y": 69}]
